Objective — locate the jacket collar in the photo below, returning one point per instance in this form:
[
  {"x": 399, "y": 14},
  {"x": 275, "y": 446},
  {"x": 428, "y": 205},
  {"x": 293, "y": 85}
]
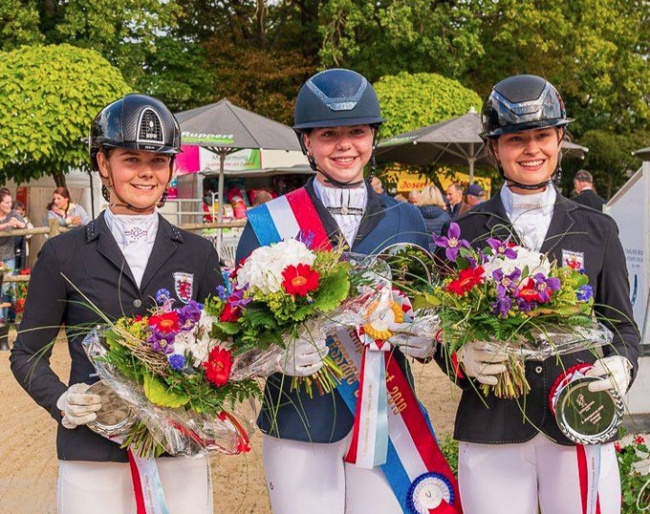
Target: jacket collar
[
  {"x": 164, "y": 246},
  {"x": 498, "y": 224},
  {"x": 373, "y": 214}
]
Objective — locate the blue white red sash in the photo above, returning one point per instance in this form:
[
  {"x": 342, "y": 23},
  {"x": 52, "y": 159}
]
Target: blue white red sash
[
  {"x": 415, "y": 468},
  {"x": 286, "y": 217}
]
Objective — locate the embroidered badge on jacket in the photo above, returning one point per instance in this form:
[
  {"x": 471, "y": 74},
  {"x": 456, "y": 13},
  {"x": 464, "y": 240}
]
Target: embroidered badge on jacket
[
  {"x": 574, "y": 260},
  {"x": 183, "y": 285}
]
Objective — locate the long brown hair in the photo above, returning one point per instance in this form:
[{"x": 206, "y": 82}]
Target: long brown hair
[{"x": 61, "y": 191}]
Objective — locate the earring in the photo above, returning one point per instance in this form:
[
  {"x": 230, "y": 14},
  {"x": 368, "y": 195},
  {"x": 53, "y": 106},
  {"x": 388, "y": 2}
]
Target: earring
[{"x": 106, "y": 195}]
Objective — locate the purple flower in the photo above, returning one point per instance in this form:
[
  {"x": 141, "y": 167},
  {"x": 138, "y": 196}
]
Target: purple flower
[
  {"x": 525, "y": 305},
  {"x": 585, "y": 293},
  {"x": 545, "y": 286},
  {"x": 451, "y": 242},
  {"x": 176, "y": 361},
  {"x": 502, "y": 248},
  {"x": 307, "y": 238},
  {"x": 162, "y": 295},
  {"x": 506, "y": 283},
  {"x": 161, "y": 342},
  {"x": 502, "y": 306},
  {"x": 190, "y": 314},
  {"x": 222, "y": 292},
  {"x": 237, "y": 298}
]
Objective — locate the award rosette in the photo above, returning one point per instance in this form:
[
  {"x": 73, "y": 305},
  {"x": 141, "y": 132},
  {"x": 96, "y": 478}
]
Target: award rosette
[
  {"x": 429, "y": 493},
  {"x": 583, "y": 416}
]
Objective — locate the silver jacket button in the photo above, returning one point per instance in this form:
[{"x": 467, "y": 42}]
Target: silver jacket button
[
  {"x": 137, "y": 303},
  {"x": 539, "y": 370}
]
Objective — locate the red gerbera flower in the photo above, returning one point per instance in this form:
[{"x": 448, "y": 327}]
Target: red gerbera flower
[
  {"x": 218, "y": 366},
  {"x": 165, "y": 323},
  {"x": 529, "y": 292},
  {"x": 467, "y": 279},
  {"x": 300, "y": 280}
]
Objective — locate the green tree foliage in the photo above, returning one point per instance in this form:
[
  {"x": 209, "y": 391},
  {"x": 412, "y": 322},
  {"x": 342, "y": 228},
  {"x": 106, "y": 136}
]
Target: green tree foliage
[
  {"x": 18, "y": 24},
  {"x": 410, "y": 101},
  {"x": 389, "y": 36},
  {"x": 594, "y": 51},
  {"x": 124, "y": 32},
  {"x": 609, "y": 159},
  {"x": 50, "y": 96}
]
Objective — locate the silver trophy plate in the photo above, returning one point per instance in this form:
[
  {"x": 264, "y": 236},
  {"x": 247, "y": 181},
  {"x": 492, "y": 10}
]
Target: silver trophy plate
[
  {"x": 585, "y": 417},
  {"x": 115, "y": 417}
]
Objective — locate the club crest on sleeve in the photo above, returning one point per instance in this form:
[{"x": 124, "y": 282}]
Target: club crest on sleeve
[
  {"x": 573, "y": 260},
  {"x": 183, "y": 285}
]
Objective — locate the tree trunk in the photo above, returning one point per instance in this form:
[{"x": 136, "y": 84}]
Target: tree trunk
[{"x": 59, "y": 179}]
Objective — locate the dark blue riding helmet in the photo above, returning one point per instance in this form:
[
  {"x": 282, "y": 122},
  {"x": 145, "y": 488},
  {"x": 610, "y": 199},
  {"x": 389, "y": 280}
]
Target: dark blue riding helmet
[{"x": 336, "y": 98}]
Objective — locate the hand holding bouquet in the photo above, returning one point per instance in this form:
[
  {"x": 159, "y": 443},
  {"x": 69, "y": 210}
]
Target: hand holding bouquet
[
  {"x": 515, "y": 299},
  {"x": 175, "y": 377},
  {"x": 280, "y": 295}
]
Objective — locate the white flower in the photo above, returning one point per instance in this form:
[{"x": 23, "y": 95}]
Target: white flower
[
  {"x": 535, "y": 261},
  {"x": 195, "y": 344},
  {"x": 262, "y": 271}
]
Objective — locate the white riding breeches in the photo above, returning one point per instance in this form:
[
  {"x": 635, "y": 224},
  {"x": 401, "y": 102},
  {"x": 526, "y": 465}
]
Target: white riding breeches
[
  {"x": 312, "y": 477},
  {"x": 107, "y": 487},
  {"x": 539, "y": 474}
]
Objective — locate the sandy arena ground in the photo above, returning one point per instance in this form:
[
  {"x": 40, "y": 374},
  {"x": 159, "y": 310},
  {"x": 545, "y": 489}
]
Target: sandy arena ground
[{"x": 28, "y": 458}]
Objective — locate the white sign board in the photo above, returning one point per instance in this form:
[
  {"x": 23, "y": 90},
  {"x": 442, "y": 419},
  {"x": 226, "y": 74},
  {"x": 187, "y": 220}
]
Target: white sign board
[{"x": 630, "y": 208}]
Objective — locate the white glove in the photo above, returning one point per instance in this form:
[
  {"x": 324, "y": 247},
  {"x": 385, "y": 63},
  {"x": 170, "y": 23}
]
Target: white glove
[
  {"x": 482, "y": 361},
  {"x": 412, "y": 340},
  {"x": 615, "y": 371},
  {"x": 78, "y": 408},
  {"x": 304, "y": 355}
]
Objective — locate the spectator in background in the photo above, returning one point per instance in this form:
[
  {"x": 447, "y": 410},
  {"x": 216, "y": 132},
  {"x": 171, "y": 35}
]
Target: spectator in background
[
  {"x": 433, "y": 209},
  {"x": 21, "y": 243},
  {"x": 472, "y": 196},
  {"x": 455, "y": 198},
  {"x": 376, "y": 184},
  {"x": 261, "y": 197},
  {"x": 62, "y": 209},
  {"x": 583, "y": 183},
  {"x": 9, "y": 220},
  {"x": 413, "y": 196}
]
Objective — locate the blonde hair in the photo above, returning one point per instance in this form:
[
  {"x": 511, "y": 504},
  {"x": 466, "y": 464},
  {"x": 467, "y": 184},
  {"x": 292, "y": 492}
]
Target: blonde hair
[{"x": 431, "y": 195}]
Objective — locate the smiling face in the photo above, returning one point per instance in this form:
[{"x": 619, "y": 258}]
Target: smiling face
[
  {"x": 340, "y": 152},
  {"x": 5, "y": 204},
  {"x": 529, "y": 157},
  {"x": 139, "y": 178}
]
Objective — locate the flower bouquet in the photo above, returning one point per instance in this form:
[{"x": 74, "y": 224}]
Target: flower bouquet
[
  {"x": 515, "y": 299},
  {"x": 275, "y": 293},
  {"x": 175, "y": 379},
  {"x": 21, "y": 294}
]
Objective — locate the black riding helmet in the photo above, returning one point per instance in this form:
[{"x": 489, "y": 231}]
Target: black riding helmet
[
  {"x": 520, "y": 103},
  {"x": 138, "y": 122},
  {"x": 336, "y": 98}
]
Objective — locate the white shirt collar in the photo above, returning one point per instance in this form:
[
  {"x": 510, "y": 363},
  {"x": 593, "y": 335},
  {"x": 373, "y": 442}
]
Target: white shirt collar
[{"x": 345, "y": 205}]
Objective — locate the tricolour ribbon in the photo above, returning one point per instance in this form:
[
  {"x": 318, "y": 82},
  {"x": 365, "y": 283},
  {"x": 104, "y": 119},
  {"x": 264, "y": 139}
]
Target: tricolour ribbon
[
  {"x": 369, "y": 445},
  {"x": 149, "y": 495},
  {"x": 285, "y": 217},
  {"x": 415, "y": 468}
]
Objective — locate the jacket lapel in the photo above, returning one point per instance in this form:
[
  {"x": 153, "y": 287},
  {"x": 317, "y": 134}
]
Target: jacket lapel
[
  {"x": 107, "y": 246},
  {"x": 562, "y": 224},
  {"x": 375, "y": 212},
  {"x": 163, "y": 248}
]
